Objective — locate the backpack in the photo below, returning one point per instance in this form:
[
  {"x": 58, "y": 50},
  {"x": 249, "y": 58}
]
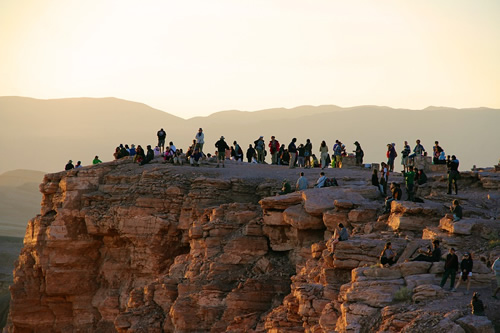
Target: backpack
[{"x": 331, "y": 182}]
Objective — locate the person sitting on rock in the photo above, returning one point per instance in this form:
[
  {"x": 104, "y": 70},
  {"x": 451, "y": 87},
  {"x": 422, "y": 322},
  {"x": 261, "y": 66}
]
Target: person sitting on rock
[
  {"x": 321, "y": 180},
  {"x": 420, "y": 177},
  {"x": 456, "y": 210},
  {"x": 437, "y": 150},
  {"x": 285, "y": 187},
  {"x": 195, "y": 157},
  {"x": 78, "y": 165},
  {"x": 168, "y": 155},
  {"x": 132, "y": 150},
  {"x": 250, "y": 153},
  {"x": 396, "y": 195},
  {"x": 301, "y": 183},
  {"x": 139, "y": 156},
  {"x": 450, "y": 269},
  {"x": 96, "y": 160},
  {"x": 388, "y": 256},
  {"x": 477, "y": 305},
  {"x": 157, "y": 151},
  {"x": 430, "y": 255},
  {"x": 339, "y": 235},
  {"x": 69, "y": 165},
  {"x": 465, "y": 271},
  {"x": 150, "y": 155}
]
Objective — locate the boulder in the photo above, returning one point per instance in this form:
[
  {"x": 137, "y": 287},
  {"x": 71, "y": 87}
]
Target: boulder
[
  {"x": 375, "y": 293},
  {"x": 281, "y": 202},
  {"x": 332, "y": 218},
  {"x": 298, "y": 218},
  {"x": 413, "y": 281},
  {"x": 414, "y": 267},
  {"x": 476, "y": 324},
  {"x": 427, "y": 291},
  {"x": 273, "y": 217}
]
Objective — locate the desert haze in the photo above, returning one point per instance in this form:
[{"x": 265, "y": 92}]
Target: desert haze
[{"x": 45, "y": 134}]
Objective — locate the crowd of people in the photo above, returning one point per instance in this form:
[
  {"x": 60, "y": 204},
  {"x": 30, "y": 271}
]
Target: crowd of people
[{"x": 302, "y": 155}]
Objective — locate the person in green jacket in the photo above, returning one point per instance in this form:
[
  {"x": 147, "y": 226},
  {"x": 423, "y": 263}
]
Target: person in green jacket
[
  {"x": 409, "y": 180},
  {"x": 96, "y": 160}
]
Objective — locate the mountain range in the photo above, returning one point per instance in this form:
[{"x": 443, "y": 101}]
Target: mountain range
[{"x": 44, "y": 134}]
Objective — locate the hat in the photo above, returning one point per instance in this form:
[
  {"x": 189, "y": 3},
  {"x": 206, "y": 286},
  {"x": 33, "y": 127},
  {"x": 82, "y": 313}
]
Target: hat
[
  {"x": 261, "y": 137},
  {"x": 467, "y": 254}
]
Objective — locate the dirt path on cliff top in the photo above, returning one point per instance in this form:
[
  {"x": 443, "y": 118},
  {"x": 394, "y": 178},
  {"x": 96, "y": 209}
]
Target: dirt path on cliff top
[{"x": 234, "y": 169}]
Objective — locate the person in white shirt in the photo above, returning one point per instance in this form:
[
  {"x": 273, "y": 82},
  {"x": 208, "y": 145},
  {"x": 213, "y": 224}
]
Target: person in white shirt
[
  {"x": 172, "y": 147},
  {"x": 200, "y": 139}
]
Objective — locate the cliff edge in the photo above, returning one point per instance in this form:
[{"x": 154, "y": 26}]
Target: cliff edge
[{"x": 159, "y": 248}]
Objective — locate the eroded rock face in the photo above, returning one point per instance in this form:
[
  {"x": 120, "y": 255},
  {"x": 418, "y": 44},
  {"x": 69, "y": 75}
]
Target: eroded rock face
[{"x": 120, "y": 248}]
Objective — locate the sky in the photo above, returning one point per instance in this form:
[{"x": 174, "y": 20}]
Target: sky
[{"x": 196, "y": 57}]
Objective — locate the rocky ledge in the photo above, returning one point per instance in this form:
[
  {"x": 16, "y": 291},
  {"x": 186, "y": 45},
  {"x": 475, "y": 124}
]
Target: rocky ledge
[{"x": 123, "y": 248}]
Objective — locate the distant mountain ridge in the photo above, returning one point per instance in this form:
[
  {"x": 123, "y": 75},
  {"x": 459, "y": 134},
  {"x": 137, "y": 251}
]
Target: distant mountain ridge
[{"x": 45, "y": 134}]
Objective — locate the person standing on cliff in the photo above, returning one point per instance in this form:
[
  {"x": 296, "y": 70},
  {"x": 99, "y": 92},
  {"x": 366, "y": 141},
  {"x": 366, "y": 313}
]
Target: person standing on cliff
[
  {"x": 69, "y": 165},
  {"x": 450, "y": 269},
  {"x": 292, "y": 150},
  {"x": 200, "y": 140},
  {"x": 409, "y": 181},
  {"x": 162, "y": 135},
  {"x": 221, "y": 146},
  {"x": 453, "y": 174},
  {"x": 391, "y": 156},
  {"x": 250, "y": 153},
  {"x": 259, "y": 148},
  {"x": 404, "y": 156},
  {"x": 323, "y": 149},
  {"x": 274, "y": 147},
  {"x": 308, "y": 153},
  {"x": 359, "y": 154}
]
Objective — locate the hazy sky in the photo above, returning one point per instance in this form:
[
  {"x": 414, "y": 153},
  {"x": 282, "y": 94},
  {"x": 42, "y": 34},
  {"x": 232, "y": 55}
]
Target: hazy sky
[{"x": 196, "y": 57}]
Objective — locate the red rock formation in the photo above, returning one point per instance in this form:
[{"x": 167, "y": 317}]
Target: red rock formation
[{"x": 120, "y": 248}]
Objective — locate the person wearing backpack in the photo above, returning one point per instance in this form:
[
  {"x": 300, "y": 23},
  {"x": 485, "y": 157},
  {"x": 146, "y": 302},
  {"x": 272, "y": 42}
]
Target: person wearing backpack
[
  {"x": 162, "y": 135},
  {"x": 250, "y": 153},
  {"x": 238, "y": 153},
  {"x": 274, "y": 147},
  {"x": 391, "y": 156},
  {"x": 337, "y": 154},
  {"x": 321, "y": 180},
  {"x": 259, "y": 147}
]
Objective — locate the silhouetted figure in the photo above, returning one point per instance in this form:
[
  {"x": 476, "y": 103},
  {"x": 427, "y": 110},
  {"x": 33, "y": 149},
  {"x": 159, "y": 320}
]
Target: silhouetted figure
[{"x": 69, "y": 165}]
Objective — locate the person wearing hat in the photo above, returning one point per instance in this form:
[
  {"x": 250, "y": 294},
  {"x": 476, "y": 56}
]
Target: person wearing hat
[
  {"x": 359, "y": 154},
  {"x": 200, "y": 140},
  {"x": 274, "y": 147},
  {"x": 450, "y": 269},
  {"x": 69, "y": 166},
  {"x": 221, "y": 146},
  {"x": 96, "y": 160},
  {"x": 259, "y": 147},
  {"x": 465, "y": 271}
]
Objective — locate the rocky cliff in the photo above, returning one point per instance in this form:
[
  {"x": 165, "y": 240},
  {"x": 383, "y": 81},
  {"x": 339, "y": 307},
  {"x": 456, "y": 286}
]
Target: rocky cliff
[{"x": 123, "y": 248}]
